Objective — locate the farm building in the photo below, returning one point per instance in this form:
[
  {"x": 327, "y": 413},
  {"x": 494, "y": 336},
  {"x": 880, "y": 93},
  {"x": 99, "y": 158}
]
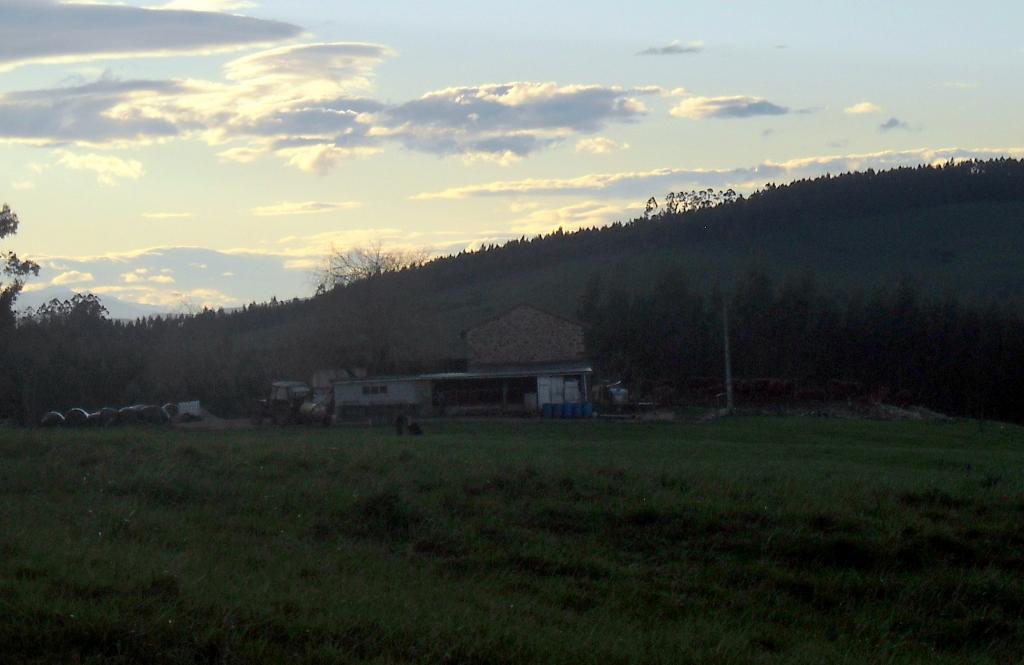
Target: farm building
[
  {"x": 517, "y": 362},
  {"x": 522, "y": 335}
]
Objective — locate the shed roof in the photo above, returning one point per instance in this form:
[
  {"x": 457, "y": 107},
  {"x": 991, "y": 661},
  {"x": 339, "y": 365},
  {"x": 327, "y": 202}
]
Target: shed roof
[{"x": 523, "y": 305}]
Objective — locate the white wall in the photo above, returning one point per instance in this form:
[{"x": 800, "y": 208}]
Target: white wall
[{"x": 399, "y": 392}]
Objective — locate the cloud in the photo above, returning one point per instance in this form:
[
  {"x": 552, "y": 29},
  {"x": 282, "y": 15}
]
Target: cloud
[
  {"x": 33, "y": 31},
  {"x": 163, "y": 276},
  {"x": 863, "y": 108},
  {"x": 303, "y": 208},
  {"x": 675, "y": 48},
  {"x": 308, "y": 105},
  {"x": 893, "y": 123},
  {"x": 89, "y": 114},
  {"x": 504, "y": 119},
  {"x": 208, "y": 5},
  {"x": 22, "y": 184},
  {"x": 170, "y": 300},
  {"x": 166, "y": 215},
  {"x": 322, "y": 158},
  {"x": 645, "y": 183},
  {"x": 108, "y": 169},
  {"x": 350, "y": 63},
  {"x": 141, "y": 276},
  {"x": 599, "y": 145},
  {"x": 571, "y": 217},
  {"x": 72, "y": 277},
  {"x": 703, "y": 108},
  {"x": 269, "y": 100}
]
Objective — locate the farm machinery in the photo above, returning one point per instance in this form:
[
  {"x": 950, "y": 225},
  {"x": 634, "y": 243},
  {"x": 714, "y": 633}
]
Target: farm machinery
[{"x": 294, "y": 403}]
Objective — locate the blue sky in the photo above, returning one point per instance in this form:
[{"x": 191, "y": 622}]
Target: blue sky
[{"x": 254, "y": 136}]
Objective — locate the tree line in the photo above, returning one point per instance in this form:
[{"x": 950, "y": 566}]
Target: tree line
[
  {"x": 952, "y": 354},
  {"x": 796, "y": 340}
]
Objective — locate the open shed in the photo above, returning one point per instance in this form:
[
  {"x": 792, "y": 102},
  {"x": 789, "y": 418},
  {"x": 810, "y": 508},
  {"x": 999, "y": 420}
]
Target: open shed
[{"x": 491, "y": 390}]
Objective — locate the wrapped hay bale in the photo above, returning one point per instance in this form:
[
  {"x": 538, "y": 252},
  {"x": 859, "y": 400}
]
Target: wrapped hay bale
[
  {"x": 76, "y": 418},
  {"x": 52, "y": 419}
]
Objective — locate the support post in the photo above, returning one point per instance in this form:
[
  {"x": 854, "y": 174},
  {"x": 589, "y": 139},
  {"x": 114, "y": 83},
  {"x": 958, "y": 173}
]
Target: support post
[{"x": 728, "y": 358}]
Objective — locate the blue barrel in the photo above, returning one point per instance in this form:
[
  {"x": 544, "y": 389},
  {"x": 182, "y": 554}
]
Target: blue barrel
[
  {"x": 567, "y": 410},
  {"x": 546, "y": 411},
  {"x": 577, "y": 410},
  {"x": 588, "y": 410}
]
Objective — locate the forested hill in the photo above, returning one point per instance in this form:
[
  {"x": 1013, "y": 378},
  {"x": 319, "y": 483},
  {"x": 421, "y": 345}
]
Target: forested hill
[
  {"x": 954, "y": 231},
  {"x": 951, "y": 230}
]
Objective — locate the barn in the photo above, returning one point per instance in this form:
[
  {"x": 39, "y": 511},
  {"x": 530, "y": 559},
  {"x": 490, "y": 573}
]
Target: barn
[{"x": 517, "y": 362}]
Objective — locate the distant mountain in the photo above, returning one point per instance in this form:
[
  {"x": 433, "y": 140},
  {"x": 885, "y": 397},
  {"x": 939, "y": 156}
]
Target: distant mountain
[{"x": 116, "y": 309}]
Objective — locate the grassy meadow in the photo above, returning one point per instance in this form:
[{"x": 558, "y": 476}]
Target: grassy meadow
[{"x": 744, "y": 540}]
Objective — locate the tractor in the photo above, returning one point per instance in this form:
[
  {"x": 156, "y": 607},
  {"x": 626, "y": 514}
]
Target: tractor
[{"x": 292, "y": 403}]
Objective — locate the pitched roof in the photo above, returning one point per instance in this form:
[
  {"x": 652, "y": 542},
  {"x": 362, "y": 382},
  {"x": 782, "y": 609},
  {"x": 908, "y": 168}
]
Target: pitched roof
[{"x": 522, "y": 305}]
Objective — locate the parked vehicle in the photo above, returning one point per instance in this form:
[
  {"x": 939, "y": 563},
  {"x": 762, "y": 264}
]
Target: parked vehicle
[{"x": 292, "y": 403}]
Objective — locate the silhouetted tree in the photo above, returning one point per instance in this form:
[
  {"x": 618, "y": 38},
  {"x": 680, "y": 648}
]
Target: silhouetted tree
[
  {"x": 12, "y": 268},
  {"x": 345, "y": 267}
]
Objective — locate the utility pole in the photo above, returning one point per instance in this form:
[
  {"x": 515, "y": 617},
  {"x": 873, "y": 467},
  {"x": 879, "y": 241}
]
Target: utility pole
[{"x": 728, "y": 358}]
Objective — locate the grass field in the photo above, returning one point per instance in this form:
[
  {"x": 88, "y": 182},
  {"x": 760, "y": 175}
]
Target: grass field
[{"x": 741, "y": 541}]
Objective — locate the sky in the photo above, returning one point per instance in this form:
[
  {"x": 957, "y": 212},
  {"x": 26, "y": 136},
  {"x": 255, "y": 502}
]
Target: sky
[{"x": 174, "y": 154}]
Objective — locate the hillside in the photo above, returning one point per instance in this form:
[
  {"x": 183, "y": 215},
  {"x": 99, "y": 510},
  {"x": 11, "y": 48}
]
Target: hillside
[
  {"x": 952, "y": 231},
  {"x": 882, "y": 267}
]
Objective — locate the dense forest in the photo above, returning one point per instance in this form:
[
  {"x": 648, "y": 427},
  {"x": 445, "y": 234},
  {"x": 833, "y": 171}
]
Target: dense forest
[
  {"x": 792, "y": 342},
  {"x": 905, "y": 283}
]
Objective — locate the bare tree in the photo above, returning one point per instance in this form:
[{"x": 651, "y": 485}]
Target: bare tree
[{"x": 345, "y": 267}]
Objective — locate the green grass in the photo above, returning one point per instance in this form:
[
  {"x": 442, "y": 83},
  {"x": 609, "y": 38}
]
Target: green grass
[{"x": 741, "y": 541}]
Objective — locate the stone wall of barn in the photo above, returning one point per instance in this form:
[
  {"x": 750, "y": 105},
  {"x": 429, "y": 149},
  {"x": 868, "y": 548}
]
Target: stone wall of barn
[{"x": 524, "y": 335}]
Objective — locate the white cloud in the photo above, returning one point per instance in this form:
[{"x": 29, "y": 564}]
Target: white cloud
[
  {"x": 142, "y": 276},
  {"x": 208, "y": 5},
  {"x": 646, "y": 183},
  {"x": 171, "y": 299},
  {"x": 863, "y": 108},
  {"x": 72, "y": 277},
  {"x": 306, "y": 105},
  {"x": 166, "y": 215},
  {"x": 303, "y": 208},
  {"x": 22, "y": 184},
  {"x": 599, "y": 145},
  {"x": 347, "y": 64},
  {"x": 572, "y": 217},
  {"x": 322, "y": 158},
  {"x": 509, "y": 119},
  {"x": 145, "y": 275},
  {"x": 108, "y": 169},
  {"x": 33, "y": 31},
  {"x": 703, "y": 108}
]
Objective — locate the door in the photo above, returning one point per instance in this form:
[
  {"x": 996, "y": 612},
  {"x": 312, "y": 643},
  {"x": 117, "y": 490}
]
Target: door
[{"x": 543, "y": 390}]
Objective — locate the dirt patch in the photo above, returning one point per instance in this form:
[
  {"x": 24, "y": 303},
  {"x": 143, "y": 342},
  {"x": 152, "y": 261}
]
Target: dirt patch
[{"x": 840, "y": 410}]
